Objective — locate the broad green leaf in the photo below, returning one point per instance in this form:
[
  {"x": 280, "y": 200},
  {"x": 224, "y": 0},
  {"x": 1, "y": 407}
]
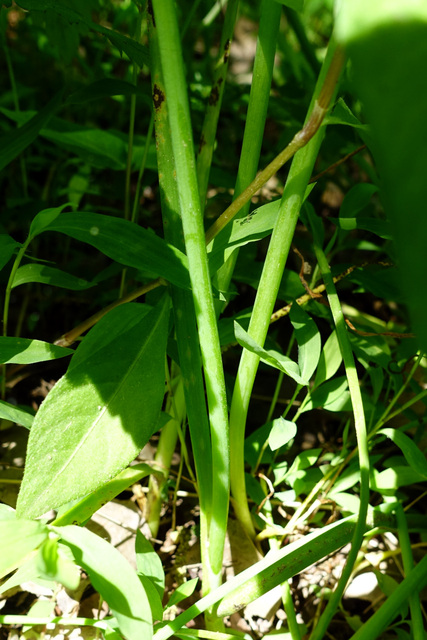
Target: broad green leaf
[
  {"x": 387, "y": 482},
  {"x": 308, "y": 339},
  {"x": 114, "y": 579},
  {"x": 413, "y": 456},
  {"x": 27, "y": 351},
  {"x": 148, "y": 563},
  {"x": 185, "y": 590},
  {"x": 329, "y": 361},
  {"x": 356, "y": 200},
  {"x": 8, "y": 246},
  {"x": 381, "y": 228},
  {"x": 256, "y": 225},
  {"x": 101, "y": 413},
  {"x": 43, "y": 219},
  {"x": 102, "y": 89},
  {"x": 342, "y": 114},
  {"x": 386, "y": 42},
  {"x": 281, "y": 433},
  {"x": 16, "y": 414},
  {"x": 97, "y": 147},
  {"x": 135, "y": 51},
  {"x": 49, "y": 275},
  {"x": 82, "y": 510},
  {"x": 273, "y": 358},
  {"x": 55, "y": 562},
  {"x": 18, "y": 539},
  {"x": 332, "y": 395},
  {"x": 13, "y": 143},
  {"x": 127, "y": 243}
]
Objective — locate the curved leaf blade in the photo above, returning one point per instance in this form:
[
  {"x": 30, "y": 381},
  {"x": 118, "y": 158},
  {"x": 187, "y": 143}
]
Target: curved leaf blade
[
  {"x": 113, "y": 577},
  {"x": 101, "y": 413},
  {"x": 127, "y": 243},
  {"x": 28, "y": 351}
]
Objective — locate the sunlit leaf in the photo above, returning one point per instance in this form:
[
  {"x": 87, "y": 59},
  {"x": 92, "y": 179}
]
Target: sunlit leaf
[
  {"x": 114, "y": 578},
  {"x": 16, "y": 414},
  {"x": 308, "y": 339},
  {"x": 101, "y": 413},
  {"x": 281, "y": 433},
  {"x": 49, "y": 275}
]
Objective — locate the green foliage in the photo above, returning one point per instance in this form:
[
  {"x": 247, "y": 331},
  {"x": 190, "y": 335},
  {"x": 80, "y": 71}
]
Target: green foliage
[{"x": 310, "y": 420}]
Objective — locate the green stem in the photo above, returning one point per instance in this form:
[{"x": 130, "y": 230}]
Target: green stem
[
  {"x": 254, "y": 127},
  {"x": 277, "y": 254},
  {"x": 207, "y": 138},
  {"x": 362, "y": 440},
  {"x": 408, "y": 565},
  {"x": 176, "y": 99}
]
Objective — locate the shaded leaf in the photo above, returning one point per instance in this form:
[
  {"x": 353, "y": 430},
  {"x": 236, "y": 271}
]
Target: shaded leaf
[
  {"x": 49, "y": 275},
  {"x": 18, "y": 539},
  {"x": 101, "y": 413},
  {"x": 27, "y": 351},
  {"x": 127, "y": 243},
  {"x": 308, "y": 339},
  {"x": 113, "y": 577},
  {"x": 13, "y": 143},
  {"x": 8, "y": 246},
  {"x": 332, "y": 395},
  {"x": 16, "y": 414}
]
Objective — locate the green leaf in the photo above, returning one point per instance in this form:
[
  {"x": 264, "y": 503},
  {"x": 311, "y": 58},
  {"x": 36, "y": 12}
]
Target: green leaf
[
  {"x": 357, "y": 199},
  {"x": 273, "y": 358},
  {"x": 387, "y": 482},
  {"x": 135, "y": 51},
  {"x": 380, "y": 228},
  {"x": 55, "y": 562},
  {"x": 281, "y": 433},
  {"x": 13, "y": 143},
  {"x": 413, "y": 456},
  {"x": 43, "y": 219},
  {"x": 49, "y": 275},
  {"x": 332, "y": 395},
  {"x": 18, "y": 539},
  {"x": 101, "y": 413},
  {"x": 97, "y": 147},
  {"x": 27, "y": 351},
  {"x": 308, "y": 339},
  {"x": 8, "y": 246},
  {"x": 82, "y": 510},
  {"x": 185, "y": 590},
  {"x": 297, "y": 5},
  {"x": 148, "y": 563},
  {"x": 387, "y": 44},
  {"x": 329, "y": 361},
  {"x": 127, "y": 243},
  {"x": 343, "y": 115},
  {"x": 16, "y": 414},
  {"x": 113, "y": 578},
  {"x": 106, "y": 87}
]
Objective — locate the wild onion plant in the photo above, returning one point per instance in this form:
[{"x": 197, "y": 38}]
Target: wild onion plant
[{"x": 158, "y": 366}]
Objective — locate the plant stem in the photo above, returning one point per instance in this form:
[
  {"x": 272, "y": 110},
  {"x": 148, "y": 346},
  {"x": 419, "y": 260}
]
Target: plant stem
[
  {"x": 277, "y": 254},
  {"x": 362, "y": 440},
  {"x": 176, "y": 99},
  {"x": 207, "y": 138}
]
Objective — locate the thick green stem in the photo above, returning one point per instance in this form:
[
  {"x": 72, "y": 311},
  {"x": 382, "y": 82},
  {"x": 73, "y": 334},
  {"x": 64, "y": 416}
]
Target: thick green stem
[
  {"x": 176, "y": 99},
  {"x": 278, "y": 250},
  {"x": 255, "y": 121}
]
